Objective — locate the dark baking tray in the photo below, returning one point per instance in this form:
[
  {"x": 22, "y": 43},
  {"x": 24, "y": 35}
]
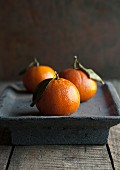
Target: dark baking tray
[{"x": 90, "y": 124}]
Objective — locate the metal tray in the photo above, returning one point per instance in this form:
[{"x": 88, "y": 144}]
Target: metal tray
[{"x": 90, "y": 124}]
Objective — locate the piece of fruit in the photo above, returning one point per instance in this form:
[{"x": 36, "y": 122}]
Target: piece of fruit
[
  {"x": 86, "y": 86},
  {"x": 56, "y": 97},
  {"x": 36, "y": 73},
  {"x": 79, "y": 76}
]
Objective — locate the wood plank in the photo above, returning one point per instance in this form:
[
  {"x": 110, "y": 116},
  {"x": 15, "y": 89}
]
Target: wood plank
[
  {"x": 60, "y": 157},
  {"x": 4, "y": 156},
  {"x": 114, "y": 144},
  {"x": 114, "y": 137}
]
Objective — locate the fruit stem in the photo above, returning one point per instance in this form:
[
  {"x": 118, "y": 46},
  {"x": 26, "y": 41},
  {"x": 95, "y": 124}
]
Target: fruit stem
[
  {"x": 56, "y": 75},
  {"x": 75, "y": 62},
  {"x": 36, "y": 62}
]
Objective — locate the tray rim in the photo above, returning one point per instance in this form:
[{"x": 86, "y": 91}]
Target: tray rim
[{"x": 110, "y": 87}]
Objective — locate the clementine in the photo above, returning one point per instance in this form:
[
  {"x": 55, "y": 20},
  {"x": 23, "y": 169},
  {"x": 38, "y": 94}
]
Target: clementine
[
  {"x": 35, "y": 74},
  {"x": 60, "y": 98},
  {"x": 86, "y": 86}
]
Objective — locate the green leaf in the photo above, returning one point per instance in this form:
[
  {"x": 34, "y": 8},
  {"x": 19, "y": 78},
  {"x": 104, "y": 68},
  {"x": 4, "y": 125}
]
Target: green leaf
[
  {"x": 40, "y": 90},
  {"x": 90, "y": 73},
  {"x": 32, "y": 64}
]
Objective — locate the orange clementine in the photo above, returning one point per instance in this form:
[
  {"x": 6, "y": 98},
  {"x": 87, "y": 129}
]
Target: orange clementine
[
  {"x": 86, "y": 86},
  {"x": 35, "y": 73},
  {"x": 60, "y": 98}
]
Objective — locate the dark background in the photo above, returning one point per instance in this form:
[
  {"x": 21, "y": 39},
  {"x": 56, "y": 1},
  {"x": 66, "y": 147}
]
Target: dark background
[{"x": 56, "y": 30}]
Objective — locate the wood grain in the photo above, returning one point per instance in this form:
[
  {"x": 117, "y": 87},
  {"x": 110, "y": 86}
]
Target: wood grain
[
  {"x": 55, "y": 31},
  {"x": 60, "y": 157},
  {"x": 114, "y": 137},
  {"x": 4, "y": 155}
]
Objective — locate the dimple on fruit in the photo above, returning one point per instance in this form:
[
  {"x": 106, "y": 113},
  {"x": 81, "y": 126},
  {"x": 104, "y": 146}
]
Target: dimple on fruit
[
  {"x": 56, "y": 97},
  {"x": 36, "y": 73},
  {"x": 84, "y": 79}
]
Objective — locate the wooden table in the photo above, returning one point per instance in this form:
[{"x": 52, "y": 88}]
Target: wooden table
[{"x": 60, "y": 157}]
